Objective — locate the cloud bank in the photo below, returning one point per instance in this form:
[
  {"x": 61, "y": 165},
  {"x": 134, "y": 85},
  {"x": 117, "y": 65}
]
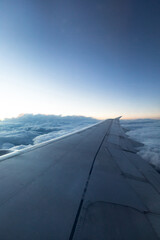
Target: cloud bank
[
  {"x": 146, "y": 131},
  {"x": 27, "y": 130}
]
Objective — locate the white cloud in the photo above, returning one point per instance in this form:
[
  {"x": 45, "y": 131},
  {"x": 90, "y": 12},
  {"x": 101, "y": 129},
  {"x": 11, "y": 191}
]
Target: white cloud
[
  {"x": 29, "y": 129},
  {"x": 146, "y": 131},
  {"x": 19, "y": 147}
]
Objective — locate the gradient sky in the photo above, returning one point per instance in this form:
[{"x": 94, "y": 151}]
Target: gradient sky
[{"x": 69, "y": 57}]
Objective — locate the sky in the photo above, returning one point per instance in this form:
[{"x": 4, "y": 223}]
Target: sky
[{"x": 93, "y": 58}]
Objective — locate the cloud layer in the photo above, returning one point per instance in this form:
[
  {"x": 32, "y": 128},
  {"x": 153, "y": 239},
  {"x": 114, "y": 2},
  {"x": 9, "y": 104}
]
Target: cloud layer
[
  {"x": 27, "y": 130},
  {"x": 146, "y": 131}
]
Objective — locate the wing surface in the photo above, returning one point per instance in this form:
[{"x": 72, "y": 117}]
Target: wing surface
[{"x": 90, "y": 185}]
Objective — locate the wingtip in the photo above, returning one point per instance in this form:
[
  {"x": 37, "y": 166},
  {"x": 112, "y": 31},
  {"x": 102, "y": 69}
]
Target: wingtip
[{"x": 119, "y": 117}]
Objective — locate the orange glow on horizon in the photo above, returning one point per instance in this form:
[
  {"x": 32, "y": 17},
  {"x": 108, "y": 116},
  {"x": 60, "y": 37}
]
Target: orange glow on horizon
[{"x": 109, "y": 116}]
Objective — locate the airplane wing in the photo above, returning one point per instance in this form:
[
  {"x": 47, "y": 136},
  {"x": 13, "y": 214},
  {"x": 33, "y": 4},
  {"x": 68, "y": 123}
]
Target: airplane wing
[{"x": 90, "y": 185}]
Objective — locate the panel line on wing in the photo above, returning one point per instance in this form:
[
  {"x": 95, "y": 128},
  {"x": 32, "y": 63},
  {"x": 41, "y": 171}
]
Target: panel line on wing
[{"x": 85, "y": 188}]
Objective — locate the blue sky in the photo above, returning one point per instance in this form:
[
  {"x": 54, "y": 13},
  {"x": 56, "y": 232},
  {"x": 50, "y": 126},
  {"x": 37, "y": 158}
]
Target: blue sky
[{"x": 92, "y": 58}]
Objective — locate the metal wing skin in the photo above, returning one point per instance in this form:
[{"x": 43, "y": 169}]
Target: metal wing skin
[{"x": 90, "y": 185}]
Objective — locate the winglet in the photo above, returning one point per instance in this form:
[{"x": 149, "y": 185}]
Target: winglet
[{"x": 118, "y": 117}]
